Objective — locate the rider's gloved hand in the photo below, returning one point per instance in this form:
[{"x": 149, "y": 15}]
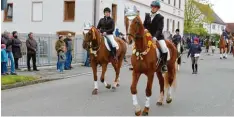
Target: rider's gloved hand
[{"x": 154, "y": 38}]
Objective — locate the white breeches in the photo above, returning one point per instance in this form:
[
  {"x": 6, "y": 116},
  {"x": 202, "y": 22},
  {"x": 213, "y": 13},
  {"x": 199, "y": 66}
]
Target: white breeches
[
  {"x": 113, "y": 42},
  {"x": 163, "y": 46}
]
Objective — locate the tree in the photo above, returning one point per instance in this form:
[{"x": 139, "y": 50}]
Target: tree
[{"x": 195, "y": 15}]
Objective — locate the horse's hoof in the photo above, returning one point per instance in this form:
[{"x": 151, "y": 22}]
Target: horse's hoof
[
  {"x": 118, "y": 85},
  {"x": 169, "y": 101},
  {"x": 159, "y": 103},
  {"x": 138, "y": 113},
  {"x": 144, "y": 114},
  {"x": 114, "y": 88},
  {"x": 108, "y": 86},
  {"x": 95, "y": 92}
]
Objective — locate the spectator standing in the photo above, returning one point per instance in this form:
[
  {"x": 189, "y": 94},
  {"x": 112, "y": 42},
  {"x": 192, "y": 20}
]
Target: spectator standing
[
  {"x": 3, "y": 60},
  {"x": 6, "y": 39},
  {"x": 58, "y": 46},
  {"x": 62, "y": 58},
  {"x": 68, "y": 43},
  {"x": 16, "y": 49},
  {"x": 31, "y": 51},
  {"x": 195, "y": 51}
]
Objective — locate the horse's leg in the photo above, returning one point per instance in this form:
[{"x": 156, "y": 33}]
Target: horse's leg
[
  {"x": 104, "y": 67},
  {"x": 94, "y": 68},
  {"x": 221, "y": 52},
  {"x": 117, "y": 71},
  {"x": 148, "y": 92},
  {"x": 135, "y": 79},
  {"x": 161, "y": 83},
  {"x": 178, "y": 63},
  {"x": 170, "y": 77}
]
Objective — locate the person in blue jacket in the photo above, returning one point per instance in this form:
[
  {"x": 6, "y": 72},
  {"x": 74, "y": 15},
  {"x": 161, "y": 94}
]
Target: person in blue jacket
[
  {"x": 194, "y": 53},
  {"x": 3, "y": 60}
]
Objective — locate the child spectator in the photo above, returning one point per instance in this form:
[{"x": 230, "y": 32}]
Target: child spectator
[
  {"x": 3, "y": 59},
  {"x": 62, "y": 58}
]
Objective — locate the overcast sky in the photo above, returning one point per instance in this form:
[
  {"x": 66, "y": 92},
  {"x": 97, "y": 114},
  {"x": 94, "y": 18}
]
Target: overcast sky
[{"x": 225, "y": 9}]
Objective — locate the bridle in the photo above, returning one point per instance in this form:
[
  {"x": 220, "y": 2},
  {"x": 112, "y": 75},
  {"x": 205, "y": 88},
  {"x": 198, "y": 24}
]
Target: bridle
[
  {"x": 137, "y": 29},
  {"x": 90, "y": 43}
]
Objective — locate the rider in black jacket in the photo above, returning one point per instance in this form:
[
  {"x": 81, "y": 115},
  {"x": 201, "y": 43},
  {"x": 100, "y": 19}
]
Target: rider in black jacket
[
  {"x": 154, "y": 23},
  {"x": 106, "y": 26}
]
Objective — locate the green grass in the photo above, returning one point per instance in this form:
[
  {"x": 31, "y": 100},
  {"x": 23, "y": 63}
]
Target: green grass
[{"x": 12, "y": 79}]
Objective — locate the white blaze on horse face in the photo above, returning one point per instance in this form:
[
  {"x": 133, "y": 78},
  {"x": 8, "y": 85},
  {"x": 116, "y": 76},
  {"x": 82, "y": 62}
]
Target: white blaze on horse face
[{"x": 147, "y": 102}]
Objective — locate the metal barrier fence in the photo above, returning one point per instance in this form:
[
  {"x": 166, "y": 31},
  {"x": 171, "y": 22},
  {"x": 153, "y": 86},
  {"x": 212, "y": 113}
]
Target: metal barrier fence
[{"x": 46, "y": 53}]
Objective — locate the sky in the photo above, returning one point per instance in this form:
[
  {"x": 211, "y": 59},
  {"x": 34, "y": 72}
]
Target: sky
[{"x": 224, "y": 9}]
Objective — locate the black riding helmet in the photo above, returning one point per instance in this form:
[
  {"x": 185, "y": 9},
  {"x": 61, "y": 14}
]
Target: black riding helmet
[
  {"x": 177, "y": 30},
  {"x": 107, "y": 10}
]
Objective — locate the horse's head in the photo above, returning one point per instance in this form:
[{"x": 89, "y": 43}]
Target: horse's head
[
  {"x": 133, "y": 24},
  {"x": 91, "y": 38}
]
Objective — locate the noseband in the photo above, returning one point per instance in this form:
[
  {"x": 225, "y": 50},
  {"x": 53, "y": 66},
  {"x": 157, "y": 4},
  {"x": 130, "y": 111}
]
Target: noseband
[{"x": 138, "y": 35}]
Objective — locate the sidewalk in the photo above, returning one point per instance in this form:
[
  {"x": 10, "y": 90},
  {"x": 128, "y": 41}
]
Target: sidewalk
[{"x": 50, "y": 72}]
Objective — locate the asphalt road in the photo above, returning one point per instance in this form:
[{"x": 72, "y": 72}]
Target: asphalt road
[{"x": 211, "y": 92}]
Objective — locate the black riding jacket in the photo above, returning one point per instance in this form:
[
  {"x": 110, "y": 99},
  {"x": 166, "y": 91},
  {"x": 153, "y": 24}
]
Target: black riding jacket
[
  {"x": 107, "y": 25},
  {"x": 155, "y": 27}
]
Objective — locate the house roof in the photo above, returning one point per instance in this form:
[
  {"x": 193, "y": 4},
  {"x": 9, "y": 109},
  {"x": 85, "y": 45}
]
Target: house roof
[
  {"x": 230, "y": 27},
  {"x": 203, "y": 8}
]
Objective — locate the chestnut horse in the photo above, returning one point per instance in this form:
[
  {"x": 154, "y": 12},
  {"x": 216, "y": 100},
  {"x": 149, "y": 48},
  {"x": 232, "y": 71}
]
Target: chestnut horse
[
  {"x": 145, "y": 60},
  {"x": 99, "y": 54},
  {"x": 223, "y": 47}
]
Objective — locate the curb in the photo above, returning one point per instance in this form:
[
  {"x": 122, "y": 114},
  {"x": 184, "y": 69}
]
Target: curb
[{"x": 21, "y": 84}]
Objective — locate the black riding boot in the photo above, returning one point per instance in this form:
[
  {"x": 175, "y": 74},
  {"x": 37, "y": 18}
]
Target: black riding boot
[
  {"x": 114, "y": 54},
  {"x": 164, "y": 62}
]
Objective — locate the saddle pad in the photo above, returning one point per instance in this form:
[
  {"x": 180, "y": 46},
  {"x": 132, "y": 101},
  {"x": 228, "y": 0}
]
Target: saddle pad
[
  {"x": 109, "y": 44},
  {"x": 159, "y": 54}
]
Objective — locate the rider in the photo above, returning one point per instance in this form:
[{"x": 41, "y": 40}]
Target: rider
[
  {"x": 154, "y": 23},
  {"x": 225, "y": 34},
  {"x": 106, "y": 26},
  {"x": 177, "y": 38}
]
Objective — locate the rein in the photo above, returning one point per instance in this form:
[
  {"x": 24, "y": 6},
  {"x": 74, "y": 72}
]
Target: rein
[{"x": 91, "y": 48}]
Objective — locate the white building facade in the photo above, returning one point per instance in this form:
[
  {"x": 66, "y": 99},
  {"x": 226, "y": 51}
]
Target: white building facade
[
  {"x": 48, "y": 16},
  {"x": 214, "y": 28}
]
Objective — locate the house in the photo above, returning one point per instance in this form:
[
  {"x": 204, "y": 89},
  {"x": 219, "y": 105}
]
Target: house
[
  {"x": 49, "y": 17},
  {"x": 230, "y": 27},
  {"x": 216, "y": 26}
]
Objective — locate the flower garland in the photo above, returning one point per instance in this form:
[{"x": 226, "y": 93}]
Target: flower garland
[{"x": 149, "y": 44}]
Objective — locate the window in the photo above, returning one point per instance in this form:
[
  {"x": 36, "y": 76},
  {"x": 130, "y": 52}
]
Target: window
[
  {"x": 69, "y": 10},
  {"x": 37, "y": 11},
  {"x": 174, "y": 2},
  {"x": 114, "y": 12},
  {"x": 179, "y": 3},
  {"x": 222, "y": 27},
  {"x": 168, "y": 25},
  {"x": 169, "y": 1},
  {"x": 178, "y": 25},
  {"x": 213, "y": 26},
  {"x": 8, "y": 12},
  {"x": 173, "y": 26}
]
